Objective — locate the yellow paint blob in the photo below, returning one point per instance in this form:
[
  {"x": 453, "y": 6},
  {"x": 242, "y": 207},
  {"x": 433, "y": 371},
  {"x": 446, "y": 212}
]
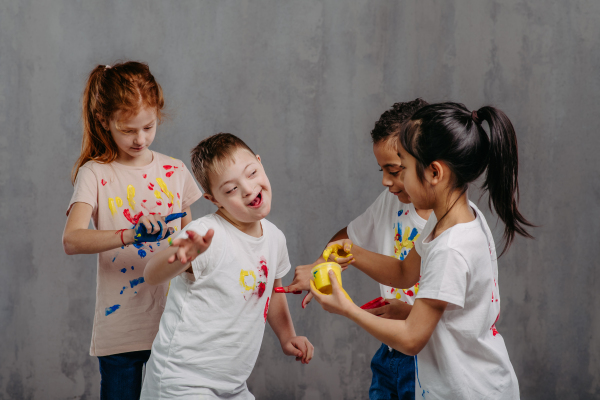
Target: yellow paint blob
[
  {"x": 130, "y": 196},
  {"x": 165, "y": 189},
  {"x": 111, "y": 205},
  {"x": 337, "y": 250},
  {"x": 157, "y": 194},
  {"x": 244, "y": 281},
  {"x": 119, "y": 201},
  {"x": 398, "y": 295}
]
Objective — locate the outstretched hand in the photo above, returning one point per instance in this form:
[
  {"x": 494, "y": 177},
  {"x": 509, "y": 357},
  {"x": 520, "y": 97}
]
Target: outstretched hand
[
  {"x": 190, "y": 247},
  {"x": 300, "y": 347},
  {"x": 336, "y": 302}
]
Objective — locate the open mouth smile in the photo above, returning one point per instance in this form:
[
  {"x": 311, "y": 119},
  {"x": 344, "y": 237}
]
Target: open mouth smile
[{"x": 257, "y": 202}]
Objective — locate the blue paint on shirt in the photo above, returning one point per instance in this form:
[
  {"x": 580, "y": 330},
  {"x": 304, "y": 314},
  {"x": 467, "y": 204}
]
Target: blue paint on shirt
[
  {"x": 142, "y": 253},
  {"x": 123, "y": 270},
  {"x": 136, "y": 282},
  {"x": 110, "y": 310}
]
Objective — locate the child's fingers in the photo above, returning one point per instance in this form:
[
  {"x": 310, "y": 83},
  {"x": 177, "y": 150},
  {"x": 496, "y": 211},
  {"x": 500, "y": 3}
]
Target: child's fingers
[
  {"x": 344, "y": 260},
  {"x": 311, "y": 351},
  {"x": 316, "y": 294},
  {"x": 306, "y": 299}
]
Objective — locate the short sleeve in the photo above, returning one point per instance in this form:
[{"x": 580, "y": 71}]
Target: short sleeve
[
  {"x": 211, "y": 256},
  {"x": 445, "y": 274},
  {"x": 425, "y": 232},
  {"x": 191, "y": 192},
  {"x": 86, "y": 189},
  {"x": 283, "y": 264}
]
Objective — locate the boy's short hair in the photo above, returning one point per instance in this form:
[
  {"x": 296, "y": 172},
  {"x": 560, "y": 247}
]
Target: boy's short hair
[
  {"x": 391, "y": 121},
  {"x": 211, "y": 154}
]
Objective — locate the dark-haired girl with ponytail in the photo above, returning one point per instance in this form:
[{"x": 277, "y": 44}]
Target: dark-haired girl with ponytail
[{"x": 452, "y": 326}]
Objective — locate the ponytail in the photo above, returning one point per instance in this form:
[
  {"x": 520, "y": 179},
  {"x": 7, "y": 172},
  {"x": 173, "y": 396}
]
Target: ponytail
[
  {"x": 124, "y": 87},
  {"x": 449, "y": 132},
  {"x": 501, "y": 178}
]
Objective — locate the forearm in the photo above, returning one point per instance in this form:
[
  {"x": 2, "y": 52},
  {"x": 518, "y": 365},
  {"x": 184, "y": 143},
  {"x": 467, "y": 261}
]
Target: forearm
[
  {"x": 279, "y": 316},
  {"x": 90, "y": 241},
  {"x": 394, "y": 333},
  {"x": 159, "y": 270},
  {"x": 384, "y": 269}
]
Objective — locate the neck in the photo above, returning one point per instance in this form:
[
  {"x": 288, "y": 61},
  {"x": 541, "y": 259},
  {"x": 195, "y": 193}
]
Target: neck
[
  {"x": 452, "y": 210},
  {"x": 143, "y": 159},
  {"x": 423, "y": 213},
  {"x": 253, "y": 229}
]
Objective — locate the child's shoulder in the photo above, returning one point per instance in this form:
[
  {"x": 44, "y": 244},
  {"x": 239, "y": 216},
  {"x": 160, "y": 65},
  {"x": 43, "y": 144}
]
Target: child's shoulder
[
  {"x": 168, "y": 162},
  {"x": 271, "y": 229}
]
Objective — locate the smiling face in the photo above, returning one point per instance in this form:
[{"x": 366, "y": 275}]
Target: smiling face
[
  {"x": 133, "y": 135},
  {"x": 242, "y": 190},
  {"x": 390, "y": 164}
]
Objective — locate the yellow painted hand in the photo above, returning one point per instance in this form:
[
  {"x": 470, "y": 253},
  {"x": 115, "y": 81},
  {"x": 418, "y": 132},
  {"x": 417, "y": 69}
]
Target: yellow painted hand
[{"x": 338, "y": 251}]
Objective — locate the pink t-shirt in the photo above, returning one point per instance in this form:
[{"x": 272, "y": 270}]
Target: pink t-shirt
[{"x": 128, "y": 310}]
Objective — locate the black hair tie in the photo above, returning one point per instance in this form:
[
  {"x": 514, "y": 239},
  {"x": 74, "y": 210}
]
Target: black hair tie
[{"x": 475, "y": 117}]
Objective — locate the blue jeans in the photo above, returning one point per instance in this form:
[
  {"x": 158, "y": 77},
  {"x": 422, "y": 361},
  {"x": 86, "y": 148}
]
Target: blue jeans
[
  {"x": 122, "y": 375},
  {"x": 393, "y": 375}
]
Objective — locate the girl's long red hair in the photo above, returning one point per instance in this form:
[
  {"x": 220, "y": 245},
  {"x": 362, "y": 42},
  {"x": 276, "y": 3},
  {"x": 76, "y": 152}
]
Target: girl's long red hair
[{"x": 127, "y": 87}]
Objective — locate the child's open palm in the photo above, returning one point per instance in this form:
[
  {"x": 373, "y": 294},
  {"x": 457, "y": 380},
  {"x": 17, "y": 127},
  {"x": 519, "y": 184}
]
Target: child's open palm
[{"x": 191, "y": 247}]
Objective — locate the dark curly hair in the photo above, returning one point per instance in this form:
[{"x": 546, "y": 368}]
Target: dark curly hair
[{"x": 392, "y": 120}]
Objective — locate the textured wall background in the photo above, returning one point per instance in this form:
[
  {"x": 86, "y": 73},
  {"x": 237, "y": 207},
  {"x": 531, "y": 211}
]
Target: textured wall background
[{"x": 303, "y": 82}]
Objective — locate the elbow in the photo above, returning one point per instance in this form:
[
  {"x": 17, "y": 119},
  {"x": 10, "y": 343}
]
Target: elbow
[
  {"x": 410, "y": 346},
  {"x": 68, "y": 247},
  {"x": 149, "y": 277}
]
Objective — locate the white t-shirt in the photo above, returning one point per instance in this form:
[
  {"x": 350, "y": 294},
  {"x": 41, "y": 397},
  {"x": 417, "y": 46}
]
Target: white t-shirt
[
  {"x": 213, "y": 324},
  {"x": 466, "y": 357},
  {"x": 388, "y": 227}
]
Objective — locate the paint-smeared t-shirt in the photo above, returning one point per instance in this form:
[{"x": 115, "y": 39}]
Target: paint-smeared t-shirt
[
  {"x": 465, "y": 357},
  {"x": 128, "y": 310},
  {"x": 213, "y": 324},
  {"x": 389, "y": 227}
]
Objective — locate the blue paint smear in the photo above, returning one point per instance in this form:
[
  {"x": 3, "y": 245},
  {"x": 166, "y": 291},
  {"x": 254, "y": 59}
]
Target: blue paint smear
[
  {"x": 138, "y": 245},
  {"x": 400, "y": 212},
  {"x": 150, "y": 246},
  {"x": 122, "y": 247},
  {"x": 413, "y": 234},
  {"x": 136, "y": 282},
  {"x": 135, "y": 293},
  {"x": 158, "y": 243},
  {"x": 110, "y": 310},
  {"x": 121, "y": 292},
  {"x": 141, "y": 253},
  {"x": 114, "y": 259},
  {"x": 123, "y": 270},
  {"x": 132, "y": 267}
]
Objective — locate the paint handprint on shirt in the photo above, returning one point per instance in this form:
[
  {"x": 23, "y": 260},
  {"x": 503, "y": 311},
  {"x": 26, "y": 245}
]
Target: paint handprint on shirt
[
  {"x": 404, "y": 242},
  {"x": 254, "y": 282}
]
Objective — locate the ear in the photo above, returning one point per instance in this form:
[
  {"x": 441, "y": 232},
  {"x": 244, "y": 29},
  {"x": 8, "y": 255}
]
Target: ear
[
  {"x": 103, "y": 122},
  {"x": 436, "y": 172},
  {"x": 258, "y": 158},
  {"x": 211, "y": 198}
]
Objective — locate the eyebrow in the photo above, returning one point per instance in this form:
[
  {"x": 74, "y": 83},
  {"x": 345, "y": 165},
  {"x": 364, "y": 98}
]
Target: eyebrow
[
  {"x": 392, "y": 165},
  {"x": 145, "y": 125},
  {"x": 245, "y": 168}
]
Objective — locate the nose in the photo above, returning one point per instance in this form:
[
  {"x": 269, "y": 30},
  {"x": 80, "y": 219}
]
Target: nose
[
  {"x": 139, "y": 137},
  {"x": 247, "y": 189},
  {"x": 386, "y": 181}
]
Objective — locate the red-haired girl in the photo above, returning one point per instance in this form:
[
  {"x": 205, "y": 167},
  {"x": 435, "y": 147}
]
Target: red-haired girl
[{"x": 122, "y": 185}]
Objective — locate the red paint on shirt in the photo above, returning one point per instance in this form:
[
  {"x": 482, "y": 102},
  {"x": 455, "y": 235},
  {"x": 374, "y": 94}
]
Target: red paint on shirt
[
  {"x": 261, "y": 289},
  {"x": 265, "y": 270},
  {"x": 266, "y": 309},
  {"x": 151, "y": 186},
  {"x": 158, "y": 202},
  {"x": 103, "y": 182},
  {"x": 409, "y": 293},
  {"x": 167, "y": 166},
  {"x": 169, "y": 174},
  {"x": 145, "y": 175},
  {"x": 134, "y": 220}
]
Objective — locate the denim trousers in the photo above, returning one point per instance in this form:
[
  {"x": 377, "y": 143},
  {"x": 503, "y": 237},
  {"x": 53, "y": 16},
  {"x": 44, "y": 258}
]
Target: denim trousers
[
  {"x": 393, "y": 375},
  {"x": 122, "y": 375}
]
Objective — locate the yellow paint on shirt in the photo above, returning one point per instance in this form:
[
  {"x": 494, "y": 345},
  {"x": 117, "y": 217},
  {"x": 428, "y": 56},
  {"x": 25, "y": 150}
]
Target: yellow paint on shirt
[
  {"x": 130, "y": 196},
  {"x": 119, "y": 201},
  {"x": 157, "y": 194},
  {"x": 111, "y": 205},
  {"x": 243, "y": 275},
  {"x": 165, "y": 189}
]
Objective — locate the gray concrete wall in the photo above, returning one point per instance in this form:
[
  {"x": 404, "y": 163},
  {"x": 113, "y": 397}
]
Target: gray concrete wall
[{"x": 303, "y": 82}]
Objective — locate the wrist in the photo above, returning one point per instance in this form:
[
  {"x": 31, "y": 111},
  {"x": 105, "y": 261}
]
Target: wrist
[{"x": 129, "y": 236}]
